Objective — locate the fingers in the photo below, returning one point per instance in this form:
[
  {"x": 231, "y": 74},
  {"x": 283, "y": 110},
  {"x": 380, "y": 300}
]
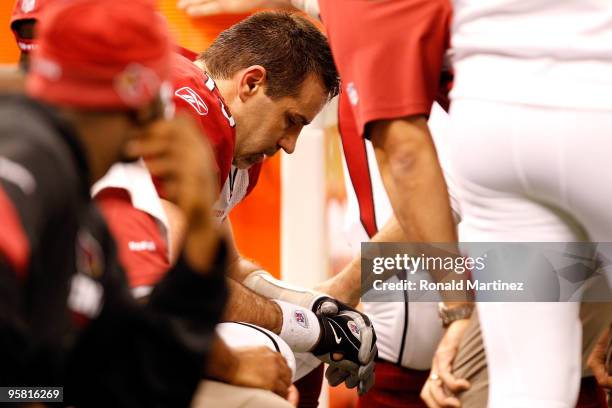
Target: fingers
[
  {"x": 366, "y": 370},
  {"x": 599, "y": 371},
  {"x": 435, "y": 384},
  {"x": 335, "y": 375},
  {"x": 281, "y": 389},
  {"x": 329, "y": 308},
  {"x": 427, "y": 398},
  {"x": 352, "y": 381},
  {"x": 443, "y": 367},
  {"x": 283, "y": 375},
  {"x": 147, "y": 147},
  {"x": 366, "y": 351},
  {"x": 454, "y": 384},
  {"x": 366, "y": 384},
  {"x": 284, "y": 372},
  {"x": 439, "y": 396},
  {"x": 293, "y": 396},
  {"x": 366, "y": 377},
  {"x": 597, "y": 362}
]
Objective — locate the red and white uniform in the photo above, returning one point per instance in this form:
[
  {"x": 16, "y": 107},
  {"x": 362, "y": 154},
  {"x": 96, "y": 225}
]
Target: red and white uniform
[
  {"x": 390, "y": 68},
  {"x": 127, "y": 194},
  {"x": 197, "y": 94},
  {"x": 129, "y": 200},
  {"x": 133, "y": 211}
]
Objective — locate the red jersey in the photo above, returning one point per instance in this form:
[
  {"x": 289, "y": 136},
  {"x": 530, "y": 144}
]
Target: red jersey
[
  {"x": 197, "y": 95},
  {"x": 132, "y": 208},
  {"x": 390, "y": 68}
]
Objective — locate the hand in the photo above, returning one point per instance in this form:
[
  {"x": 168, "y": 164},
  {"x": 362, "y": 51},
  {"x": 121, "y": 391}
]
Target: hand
[
  {"x": 294, "y": 396},
  {"x": 199, "y": 8},
  {"x": 347, "y": 344},
  {"x": 441, "y": 381},
  {"x": 176, "y": 153},
  {"x": 260, "y": 367},
  {"x": 339, "y": 289},
  {"x": 597, "y": 360}
]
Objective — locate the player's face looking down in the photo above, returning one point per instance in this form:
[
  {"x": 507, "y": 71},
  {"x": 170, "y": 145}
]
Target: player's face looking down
[
  {"x": 266, "y": 124},
  {"x": 275, "y": 71}
]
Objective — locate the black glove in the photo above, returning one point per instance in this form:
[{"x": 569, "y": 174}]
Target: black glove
[{"x": 349, "y": 333}]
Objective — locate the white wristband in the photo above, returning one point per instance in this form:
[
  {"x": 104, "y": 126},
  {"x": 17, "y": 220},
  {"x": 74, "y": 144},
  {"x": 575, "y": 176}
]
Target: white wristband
[{"x": 300, "y": 329}]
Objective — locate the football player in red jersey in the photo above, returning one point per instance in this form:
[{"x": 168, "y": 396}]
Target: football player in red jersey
[{"x": 251, "y": 99}]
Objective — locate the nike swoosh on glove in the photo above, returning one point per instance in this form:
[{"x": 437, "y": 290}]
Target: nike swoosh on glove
[{"x": 346, "y": 331}]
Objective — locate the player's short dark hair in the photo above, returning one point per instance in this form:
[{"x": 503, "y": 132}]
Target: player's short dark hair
[{"x": 287, "y": 45}]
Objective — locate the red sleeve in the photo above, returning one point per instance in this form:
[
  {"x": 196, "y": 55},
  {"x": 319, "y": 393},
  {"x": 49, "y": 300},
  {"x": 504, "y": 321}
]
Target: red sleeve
[
  {"x": 141, "y": 246},
  {"x": 389, "y": 54},
  {"x": 212, "y": 131},
  {"x": 14, "y": 245},
  {"x": 193, "y": 97}
]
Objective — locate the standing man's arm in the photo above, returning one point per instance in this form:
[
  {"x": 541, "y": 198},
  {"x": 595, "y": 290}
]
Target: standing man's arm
[
  {"x": 413, "y": 178},
  {"x": 347, "y": 285},
  {"x": 600, "y": 360}
]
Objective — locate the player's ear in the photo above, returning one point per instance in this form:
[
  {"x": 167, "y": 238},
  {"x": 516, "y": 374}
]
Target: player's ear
[{"x": 252, "y": 81}]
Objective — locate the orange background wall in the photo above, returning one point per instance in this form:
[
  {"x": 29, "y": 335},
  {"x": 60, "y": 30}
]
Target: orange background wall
[
  {"x": 256, "y": 221},
  {"x": 9, "y": 53}
]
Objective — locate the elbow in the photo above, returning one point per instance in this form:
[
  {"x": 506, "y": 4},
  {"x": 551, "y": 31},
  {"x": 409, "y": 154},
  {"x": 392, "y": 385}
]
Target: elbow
[
  {"x": 404, "y": 160},
  {"x": 405, "y": 143}
]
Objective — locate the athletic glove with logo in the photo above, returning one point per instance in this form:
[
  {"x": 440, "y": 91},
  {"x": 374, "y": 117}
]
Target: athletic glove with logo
[{"x": 347, "y": 343}]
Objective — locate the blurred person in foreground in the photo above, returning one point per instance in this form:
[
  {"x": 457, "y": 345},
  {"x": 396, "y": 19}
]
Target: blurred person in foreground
[{"x": 67, "y": 317}]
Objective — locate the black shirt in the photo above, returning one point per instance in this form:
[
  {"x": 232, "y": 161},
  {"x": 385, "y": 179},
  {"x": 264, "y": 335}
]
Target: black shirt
[{"x": 67, "y": 317}]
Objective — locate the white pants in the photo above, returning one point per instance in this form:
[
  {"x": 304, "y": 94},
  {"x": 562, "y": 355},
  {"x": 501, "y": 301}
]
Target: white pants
[
  {"x": 236, "y": 334},
  {"x": 529, "y": 173}
]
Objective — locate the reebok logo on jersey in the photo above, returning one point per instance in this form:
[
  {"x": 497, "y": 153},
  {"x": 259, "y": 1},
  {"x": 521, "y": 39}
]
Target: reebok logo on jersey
[
  {"x": 139, "y": 246},
  {"x": 301, "y": 318},
  {"x": 191, "y": 97}
]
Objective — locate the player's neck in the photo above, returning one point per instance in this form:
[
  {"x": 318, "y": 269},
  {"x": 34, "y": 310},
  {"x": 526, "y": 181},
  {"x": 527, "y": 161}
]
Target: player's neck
[{"x": 224, "y": 86}]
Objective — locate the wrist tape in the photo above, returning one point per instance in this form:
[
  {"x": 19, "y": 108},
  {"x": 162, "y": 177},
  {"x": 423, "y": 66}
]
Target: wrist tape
[
  {"x": 264, "y": 284},
  {"x": 301, "y": 329}
]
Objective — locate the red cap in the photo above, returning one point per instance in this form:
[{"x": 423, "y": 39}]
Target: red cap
[
  {"x": 99, "y": 54},
  {"x": 26, "y": 10}
]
